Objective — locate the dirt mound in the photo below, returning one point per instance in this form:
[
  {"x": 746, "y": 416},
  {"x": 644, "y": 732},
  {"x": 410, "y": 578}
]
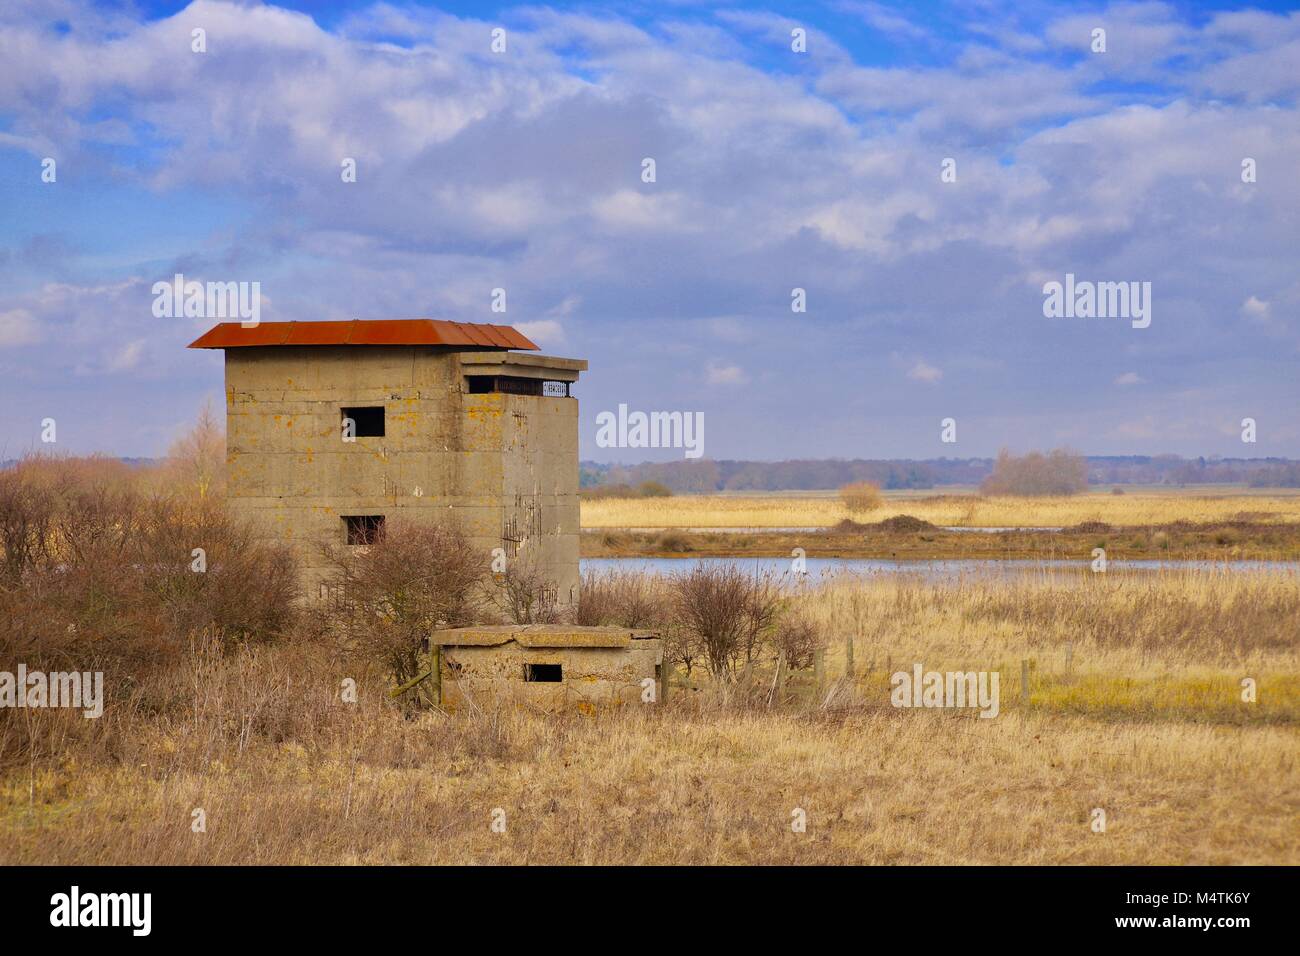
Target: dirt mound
[
  {"x": 1091, "y": 527},
  {"x": 905, "y": 523},
  {"x": 899, "y": 524},
  {"x": 848, "y": 526}
]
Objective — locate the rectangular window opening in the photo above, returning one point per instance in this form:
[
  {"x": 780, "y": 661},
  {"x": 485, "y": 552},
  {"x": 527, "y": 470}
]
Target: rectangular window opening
[
  {"x": 543, "y": 673},
  {"x": 364, "y": 529},
  {"x": 367, "y": 421},
  {"x": 514, "y": 385}
]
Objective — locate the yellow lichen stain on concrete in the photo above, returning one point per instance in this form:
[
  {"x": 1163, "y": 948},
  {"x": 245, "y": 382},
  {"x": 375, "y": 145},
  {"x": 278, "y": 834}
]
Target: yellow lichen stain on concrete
[{"x": 483, "y": 412}]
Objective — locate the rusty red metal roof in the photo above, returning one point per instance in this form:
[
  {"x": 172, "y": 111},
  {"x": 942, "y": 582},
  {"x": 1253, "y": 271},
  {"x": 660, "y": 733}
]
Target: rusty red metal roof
[{"x": 232, "y": 335}]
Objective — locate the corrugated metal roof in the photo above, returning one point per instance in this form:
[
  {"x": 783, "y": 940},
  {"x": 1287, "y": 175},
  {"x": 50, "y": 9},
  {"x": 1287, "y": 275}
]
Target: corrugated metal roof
[{"x": 231, "y": 335}]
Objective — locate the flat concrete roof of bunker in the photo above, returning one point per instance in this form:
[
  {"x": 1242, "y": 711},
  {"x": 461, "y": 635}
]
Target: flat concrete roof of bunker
[{"x": 540, "y": 635}]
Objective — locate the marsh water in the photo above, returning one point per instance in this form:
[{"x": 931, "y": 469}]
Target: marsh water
[{"x": 820, "y": 568}]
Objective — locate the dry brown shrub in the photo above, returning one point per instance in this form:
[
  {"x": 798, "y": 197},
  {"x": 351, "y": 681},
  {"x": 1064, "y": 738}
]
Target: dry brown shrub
[
  {"x": 861, "y": 496},
  {"x": 100, "y": 575},
  {"x": 391, "y": 594},
  {"x": 798, "y": 637},
  {"x": 728, "y": 611},
  {"x": 623, "y": 599},
  {"x": 524, "y": 594}
]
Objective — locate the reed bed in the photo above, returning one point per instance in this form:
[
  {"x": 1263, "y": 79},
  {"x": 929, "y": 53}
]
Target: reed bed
[{"x": 967, "y": 511}]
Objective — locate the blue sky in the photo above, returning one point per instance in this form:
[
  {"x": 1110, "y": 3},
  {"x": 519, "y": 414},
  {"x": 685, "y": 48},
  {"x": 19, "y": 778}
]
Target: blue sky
[{"x": 775, "y": 170}]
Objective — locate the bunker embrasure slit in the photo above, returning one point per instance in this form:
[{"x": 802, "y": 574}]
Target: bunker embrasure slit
[
  {"x": 544, "y": 673},
  {"x": 515, "y": 385}
]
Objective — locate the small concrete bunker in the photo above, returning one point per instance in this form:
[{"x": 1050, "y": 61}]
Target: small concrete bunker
[{"x": 550, "y": 667}]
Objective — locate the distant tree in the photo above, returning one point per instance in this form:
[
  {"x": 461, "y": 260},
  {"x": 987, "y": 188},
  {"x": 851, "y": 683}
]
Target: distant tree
[
  {"x": 1277, "y": 475},
  {"x": 199, "y": 456},
  {"x": 1059, "y": 472}
]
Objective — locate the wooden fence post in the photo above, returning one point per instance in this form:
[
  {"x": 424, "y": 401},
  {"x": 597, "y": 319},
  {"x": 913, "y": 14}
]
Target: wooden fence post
[
  {"x": 435, "y": 673},
  {"x": 848, "y": 656}
]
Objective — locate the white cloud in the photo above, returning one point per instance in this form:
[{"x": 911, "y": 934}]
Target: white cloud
[
  {"x": 1255, "y": 308},
  {"x": 882, "y": 18},
  {"x": 17, "y": 327},
  {"x": 567, "y": 306},
  {"x": 921, "y": 372},
  {"x": 545, "y": 332},
  {"x": 1129, "y": 378},
  {"x": 725, "y": 375},
  {"x": 125, "y": 358}
]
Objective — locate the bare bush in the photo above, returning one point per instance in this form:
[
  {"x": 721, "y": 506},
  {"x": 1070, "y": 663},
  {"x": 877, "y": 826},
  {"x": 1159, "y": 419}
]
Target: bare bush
[
  {"x": 96, "y": 571},
  {"x": 728, "y": 611},
  {"x": 623, "y": 599},
  {"x": 27, "y": 510},
  {"x": 247, "y": 589},
  {"x": 798, "y": 638},
  {"x": 410, "y": 581},
  {"x": 861, "y": 496},
  {"x": 1060, "y": 472},
  {"x": 683, "y": 646},
  {"x": 524, "y": 594}
]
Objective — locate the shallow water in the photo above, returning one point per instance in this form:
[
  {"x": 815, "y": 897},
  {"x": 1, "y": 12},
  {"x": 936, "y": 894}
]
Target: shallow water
[
  {"x": 819, "y": 568},
  {"x": 787, "y": 530}
]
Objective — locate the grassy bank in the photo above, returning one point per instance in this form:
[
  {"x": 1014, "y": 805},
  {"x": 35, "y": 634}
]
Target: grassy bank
[{"x": 1134, "y": 707}]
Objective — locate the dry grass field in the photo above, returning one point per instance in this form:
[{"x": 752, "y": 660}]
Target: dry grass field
[
  {"x": 807, "y": 511},
  {"x": 1134, "y": 708}
]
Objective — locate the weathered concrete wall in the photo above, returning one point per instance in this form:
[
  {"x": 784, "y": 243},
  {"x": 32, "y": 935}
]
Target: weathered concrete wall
[
  {"x": 504, "y": 466},
  {"x": 593, "y": 677}
]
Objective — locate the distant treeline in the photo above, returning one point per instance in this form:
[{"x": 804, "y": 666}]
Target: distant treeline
[{"x": 703, "y": 475}]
